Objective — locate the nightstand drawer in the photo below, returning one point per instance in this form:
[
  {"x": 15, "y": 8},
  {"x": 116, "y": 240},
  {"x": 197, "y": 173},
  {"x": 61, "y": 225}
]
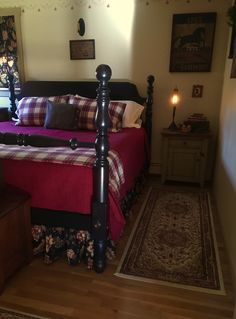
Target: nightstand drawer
[{"x": 185, "y": 143}]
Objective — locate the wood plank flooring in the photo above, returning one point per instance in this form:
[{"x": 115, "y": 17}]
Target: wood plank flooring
[{"x": 60, "y": 291}]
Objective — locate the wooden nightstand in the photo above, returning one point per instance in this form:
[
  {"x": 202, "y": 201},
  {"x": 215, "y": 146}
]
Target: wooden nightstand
[
  {"x": 184, "y": 156},
  {"x": 15, "y": 231},
  {"x": 4, "y": 114}
]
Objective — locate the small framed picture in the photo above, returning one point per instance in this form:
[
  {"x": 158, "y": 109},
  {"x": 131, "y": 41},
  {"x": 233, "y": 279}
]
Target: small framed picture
[
  {"x": 197, "y": 91},
  {"x": 82, "y": 49},
  {"x": 233, "y": 68}
]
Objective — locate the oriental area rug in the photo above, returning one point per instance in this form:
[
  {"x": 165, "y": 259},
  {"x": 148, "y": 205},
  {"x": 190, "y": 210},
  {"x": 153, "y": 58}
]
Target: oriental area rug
[
  {"x": 6, "y": 313},
  {"x": 173, "y": 242}
]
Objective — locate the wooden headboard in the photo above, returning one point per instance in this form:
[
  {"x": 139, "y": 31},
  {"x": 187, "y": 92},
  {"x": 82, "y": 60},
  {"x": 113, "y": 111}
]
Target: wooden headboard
[{"x": 118, "y": 90}]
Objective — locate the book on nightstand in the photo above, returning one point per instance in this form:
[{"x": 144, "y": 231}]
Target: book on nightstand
[{"x": 198, "y": 122}]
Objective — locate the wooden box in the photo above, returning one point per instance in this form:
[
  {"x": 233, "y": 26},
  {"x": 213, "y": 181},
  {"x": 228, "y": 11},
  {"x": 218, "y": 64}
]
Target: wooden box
[{"x": 15, "y": 231}]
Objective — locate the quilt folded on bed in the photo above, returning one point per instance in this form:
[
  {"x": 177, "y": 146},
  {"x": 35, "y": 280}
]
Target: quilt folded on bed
[{"x": 62, "y": 155}]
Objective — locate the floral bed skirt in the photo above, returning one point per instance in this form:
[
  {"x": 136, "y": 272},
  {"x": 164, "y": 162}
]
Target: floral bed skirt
[{"x": 77, "y": 245}]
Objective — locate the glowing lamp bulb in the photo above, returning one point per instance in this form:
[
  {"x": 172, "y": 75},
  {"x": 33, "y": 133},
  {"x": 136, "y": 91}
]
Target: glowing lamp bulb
[{"x": 175, "y": 97}]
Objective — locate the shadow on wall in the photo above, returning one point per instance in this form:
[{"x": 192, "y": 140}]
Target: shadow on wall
[
  {"x": 225, "y": 197},
  {"x": 227, "y": 153},
  {"x": 148, "y": 56}
]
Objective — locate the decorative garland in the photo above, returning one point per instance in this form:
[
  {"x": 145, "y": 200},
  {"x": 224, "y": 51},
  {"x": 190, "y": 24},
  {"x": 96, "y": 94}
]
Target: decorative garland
[{"x": 63, "y": 4}]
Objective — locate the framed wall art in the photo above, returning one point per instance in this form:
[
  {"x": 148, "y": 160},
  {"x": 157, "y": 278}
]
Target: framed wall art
[
  {"x": 233, "y": 68},
  {"x": 82, "y": 49},
  {"x": 231, "y": 48},
  {"x": 197, "y": 90},
  {"x": 231, "y": 15},
  {"x": 192, "y": 42}
]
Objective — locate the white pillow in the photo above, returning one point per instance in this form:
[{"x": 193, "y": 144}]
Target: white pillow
[{"x": 132, "y": 114}]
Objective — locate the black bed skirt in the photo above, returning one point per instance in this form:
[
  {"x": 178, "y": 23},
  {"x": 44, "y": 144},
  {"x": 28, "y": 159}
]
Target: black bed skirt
[{"x": 56, "y": 218}]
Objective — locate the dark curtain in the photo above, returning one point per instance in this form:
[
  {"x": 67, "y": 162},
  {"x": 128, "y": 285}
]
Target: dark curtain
[{"x": 8, "y": 51}]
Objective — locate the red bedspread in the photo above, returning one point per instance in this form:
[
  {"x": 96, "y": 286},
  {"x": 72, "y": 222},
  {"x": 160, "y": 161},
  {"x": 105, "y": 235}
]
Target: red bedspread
[{"x": 69, "y": 187}]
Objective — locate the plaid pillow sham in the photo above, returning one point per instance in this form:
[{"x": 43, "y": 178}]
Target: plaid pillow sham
[
  {"x": 88, "y": 110},
  {"x": 31, "y": 111}
]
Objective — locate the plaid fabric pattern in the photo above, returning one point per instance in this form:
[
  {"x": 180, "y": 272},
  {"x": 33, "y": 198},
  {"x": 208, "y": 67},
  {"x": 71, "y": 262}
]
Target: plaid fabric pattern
[
  {"x": 116, "y": 111},
  {"x": 31, "y": 111},
  {"x": 63, "y": 155},
  {"x": 87, "y": 113}
]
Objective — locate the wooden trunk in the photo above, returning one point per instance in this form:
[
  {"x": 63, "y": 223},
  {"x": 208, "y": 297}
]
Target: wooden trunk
[{"x": 15, "y": 232}]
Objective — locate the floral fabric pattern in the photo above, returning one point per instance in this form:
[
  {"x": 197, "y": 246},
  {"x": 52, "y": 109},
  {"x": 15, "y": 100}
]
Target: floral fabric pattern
[
  {"x": 77, "y": 245},
  {"x": 8, "y": 51}
]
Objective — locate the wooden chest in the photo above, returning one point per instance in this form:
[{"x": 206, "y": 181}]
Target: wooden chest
[{"x": 15, "y": 231}]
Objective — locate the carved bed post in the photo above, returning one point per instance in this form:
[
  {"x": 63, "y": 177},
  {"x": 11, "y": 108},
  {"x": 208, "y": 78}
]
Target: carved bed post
[
  {"x": 12, "y": 96},
  {"x": 149, "y": 102},
  {"x": 101, "y": 170}
]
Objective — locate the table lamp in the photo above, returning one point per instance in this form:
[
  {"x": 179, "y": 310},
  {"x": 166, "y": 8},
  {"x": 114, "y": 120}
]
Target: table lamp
[{"x": 174, "y": 102}]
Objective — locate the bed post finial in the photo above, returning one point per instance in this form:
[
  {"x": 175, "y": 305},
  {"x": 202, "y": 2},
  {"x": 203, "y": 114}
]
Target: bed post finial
[
  {"x": 149, "y": 102},
  {"x": 101, "y": 170},
  {"x": 103, "y": 73}
]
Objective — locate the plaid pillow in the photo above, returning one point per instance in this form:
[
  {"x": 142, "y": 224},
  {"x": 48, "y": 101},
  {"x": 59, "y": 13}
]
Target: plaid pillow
[
  {"x": 116, "y": 111},
  {"x": 31, "y": 111},
  {"x": 88, "y": 110}
]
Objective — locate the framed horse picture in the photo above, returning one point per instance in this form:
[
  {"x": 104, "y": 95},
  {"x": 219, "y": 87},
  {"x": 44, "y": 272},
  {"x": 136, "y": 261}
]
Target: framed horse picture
[{"x": 192, "y": 42}]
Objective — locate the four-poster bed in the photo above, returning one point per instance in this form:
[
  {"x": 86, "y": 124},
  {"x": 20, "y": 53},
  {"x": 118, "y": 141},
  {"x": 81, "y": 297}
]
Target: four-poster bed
[{"x": 110, "y": 149}]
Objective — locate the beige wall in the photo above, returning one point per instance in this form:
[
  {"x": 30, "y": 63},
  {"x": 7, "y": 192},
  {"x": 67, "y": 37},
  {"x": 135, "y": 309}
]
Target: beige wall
[
  {"x": 225, "y": 173},
  {"x": 134, "y": 39}
]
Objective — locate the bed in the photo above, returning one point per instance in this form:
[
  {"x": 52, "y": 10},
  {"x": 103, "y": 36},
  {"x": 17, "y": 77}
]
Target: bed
[{"x": 89, "y": 199}]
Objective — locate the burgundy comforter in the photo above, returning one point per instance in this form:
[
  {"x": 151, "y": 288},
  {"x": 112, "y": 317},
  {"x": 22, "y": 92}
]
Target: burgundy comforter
[{"x": 69, "y": 187}]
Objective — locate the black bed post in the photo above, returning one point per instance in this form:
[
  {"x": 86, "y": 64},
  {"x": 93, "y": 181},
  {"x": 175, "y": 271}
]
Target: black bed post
[
  {"x": 101, "y": 170},
  {"x": 149, "y": 102},
  {"x": 12, "y": 96}
]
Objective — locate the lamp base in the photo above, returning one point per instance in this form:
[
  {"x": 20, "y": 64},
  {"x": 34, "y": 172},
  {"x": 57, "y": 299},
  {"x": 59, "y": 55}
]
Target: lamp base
[{"x": 173, "y": 127}]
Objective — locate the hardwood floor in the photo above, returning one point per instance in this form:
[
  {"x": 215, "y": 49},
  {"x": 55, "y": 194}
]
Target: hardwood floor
[{"x": 62, "y": 291}]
